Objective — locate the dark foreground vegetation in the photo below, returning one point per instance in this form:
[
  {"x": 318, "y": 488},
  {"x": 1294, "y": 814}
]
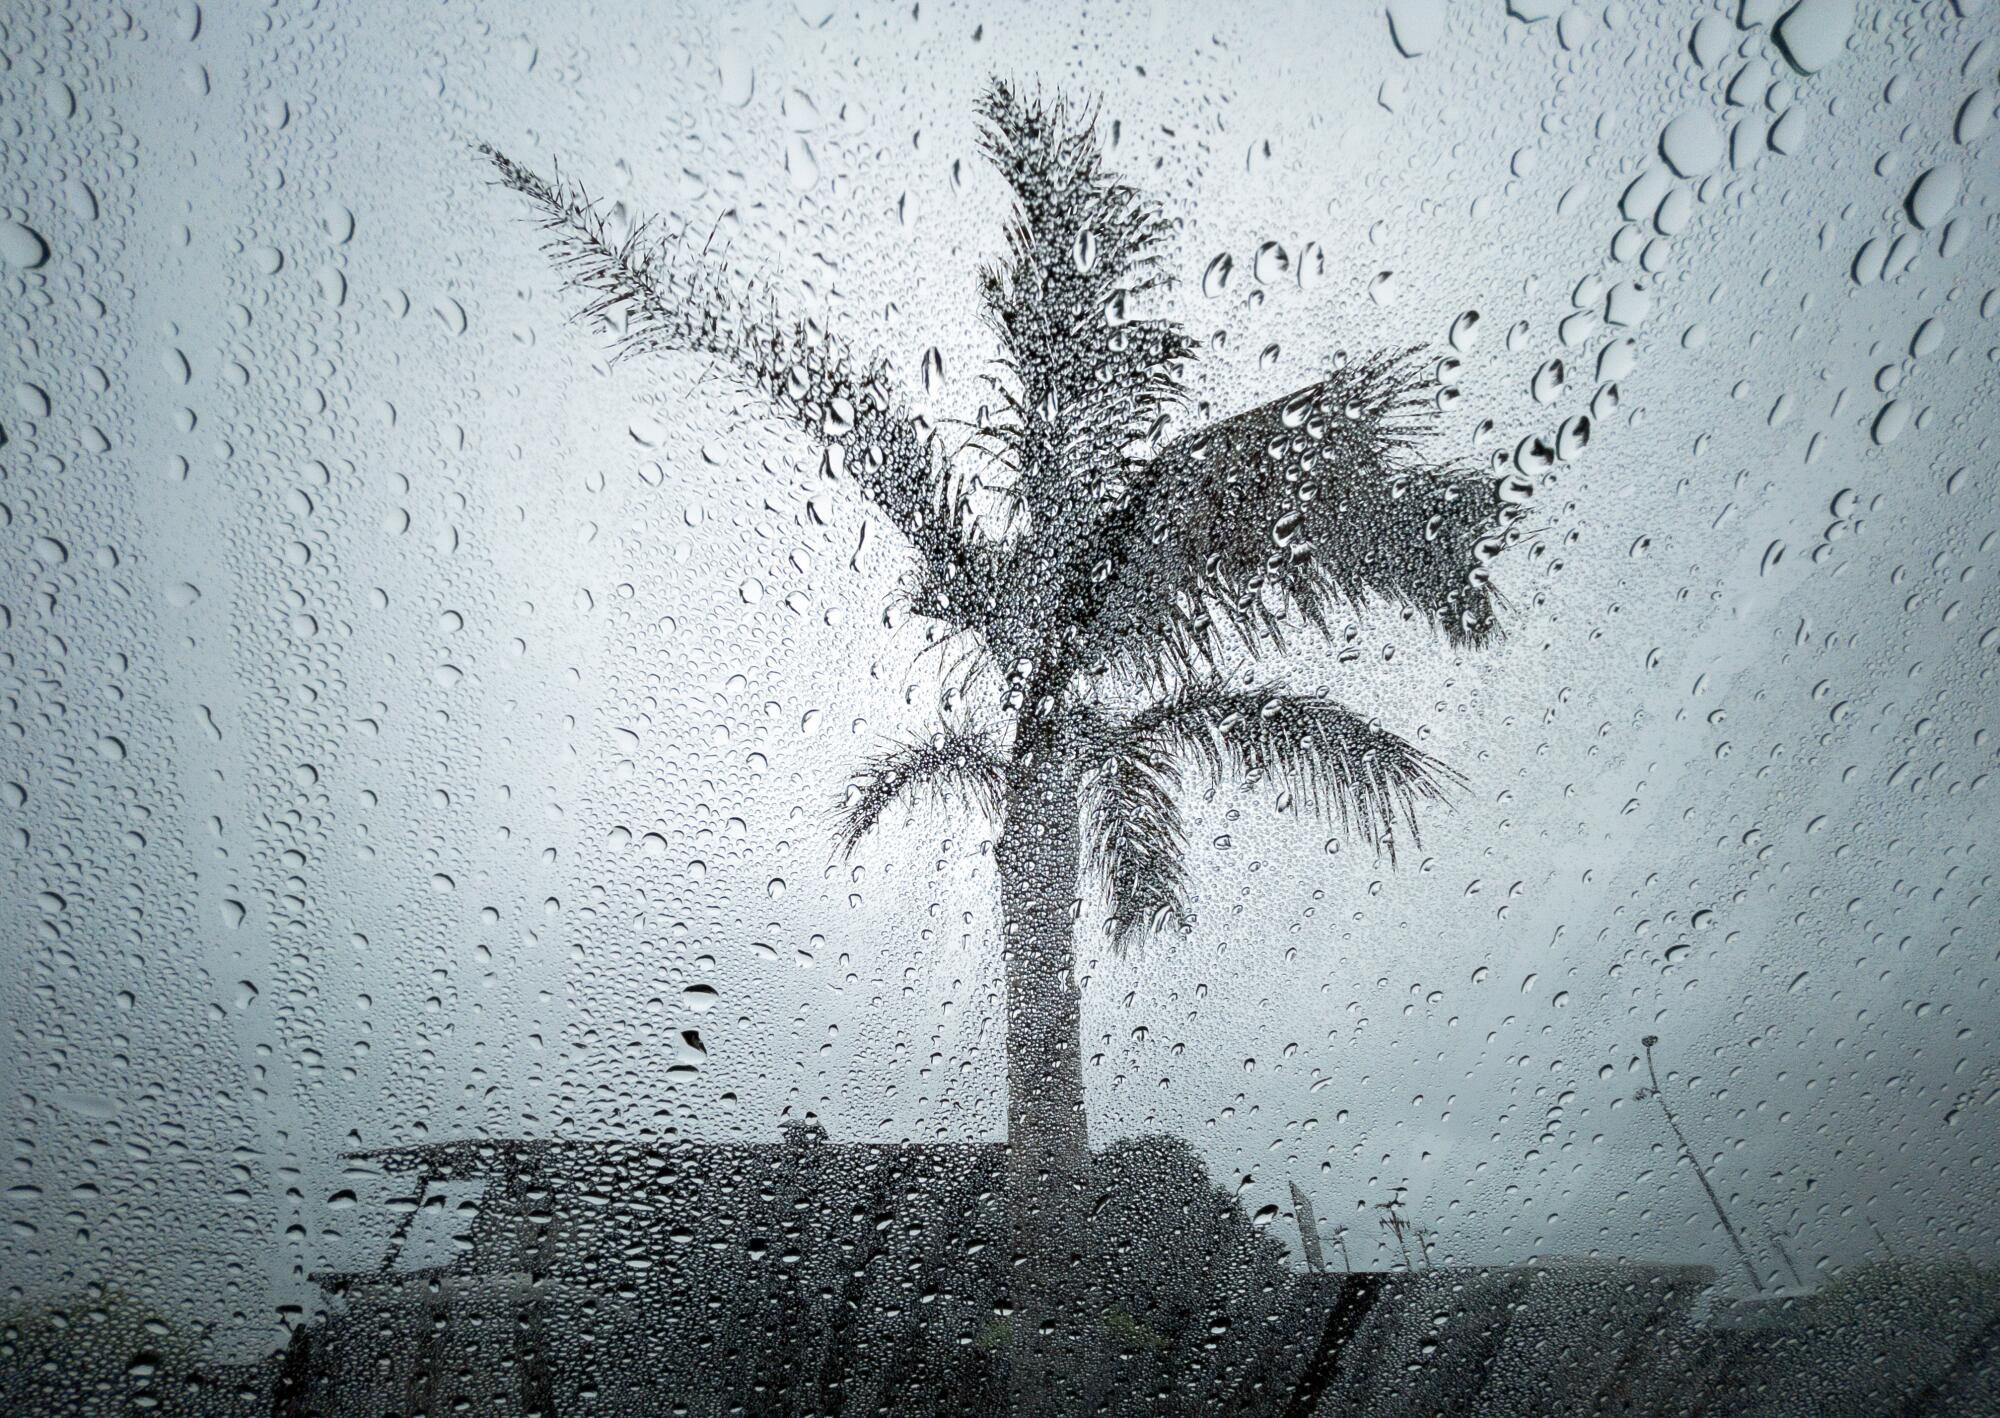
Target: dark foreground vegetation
[{"x": 807, "y": 1277}]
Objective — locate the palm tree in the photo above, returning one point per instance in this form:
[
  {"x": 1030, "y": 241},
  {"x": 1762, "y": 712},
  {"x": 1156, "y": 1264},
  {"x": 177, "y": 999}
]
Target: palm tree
[{"x": 1094, "y": 566}]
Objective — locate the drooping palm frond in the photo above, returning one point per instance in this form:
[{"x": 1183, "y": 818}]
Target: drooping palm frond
[
  {"x": 953, "y": 765},
  {"x": 1300, "y": 507},
  {"x": 1089, "y": 375},
  {"x": 1133, "y": 836},
  {"x": 1323, "y": 755},
  {"x": 660, "y": 297}
]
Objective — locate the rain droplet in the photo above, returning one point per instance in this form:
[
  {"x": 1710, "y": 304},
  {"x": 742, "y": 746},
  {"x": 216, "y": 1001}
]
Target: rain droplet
[
  {"x": 1215, "y": 280},
  {"x": 21, "y": 246}
]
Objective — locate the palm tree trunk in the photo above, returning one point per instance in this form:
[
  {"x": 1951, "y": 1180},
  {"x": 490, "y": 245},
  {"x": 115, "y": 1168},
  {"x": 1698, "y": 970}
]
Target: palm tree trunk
[
  {"x": 1047, "y": 1143},
  {"x": 1037, "y": 858}
]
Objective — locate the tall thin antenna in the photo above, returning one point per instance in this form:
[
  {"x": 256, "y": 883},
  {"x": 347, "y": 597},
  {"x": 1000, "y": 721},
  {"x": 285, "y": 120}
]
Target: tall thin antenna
[
  {"x": 1756, "y": 1280},
  {"x": 1396, "y": 1225}
]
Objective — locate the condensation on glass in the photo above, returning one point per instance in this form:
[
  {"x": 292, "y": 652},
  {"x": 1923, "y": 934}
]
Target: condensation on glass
[{"x": 837, "y": 708}]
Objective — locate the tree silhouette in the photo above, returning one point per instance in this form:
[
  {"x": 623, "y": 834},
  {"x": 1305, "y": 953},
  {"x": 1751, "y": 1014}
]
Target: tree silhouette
[{"x": 1094, "y": 565}]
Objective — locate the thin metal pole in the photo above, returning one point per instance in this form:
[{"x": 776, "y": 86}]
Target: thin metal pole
[
  {"x": 1785, "y": 1255},
  {"x": 1742, "y": 1254},
  {"x": 1395, "y": 1225}
]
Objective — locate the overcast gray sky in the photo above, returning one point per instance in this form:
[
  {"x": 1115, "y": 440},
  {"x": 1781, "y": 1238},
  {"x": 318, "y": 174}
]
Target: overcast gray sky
[{"x": 404, "y": 709}]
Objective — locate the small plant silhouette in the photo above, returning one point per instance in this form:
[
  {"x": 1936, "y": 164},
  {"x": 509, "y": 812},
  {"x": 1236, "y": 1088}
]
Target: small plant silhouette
[{"x": 1095, "y": 566}]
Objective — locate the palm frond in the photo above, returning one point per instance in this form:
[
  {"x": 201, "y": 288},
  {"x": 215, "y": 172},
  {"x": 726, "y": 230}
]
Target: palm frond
[
  {"x": 658, "y": 297},
  {"x": 1341, "y": 766},
  {"x": 1089, "y": 376},
  {"x": 1300, "y": 507},
  {"x": 1135, "y": 839},
  {"x": 952, "y": 766}
]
